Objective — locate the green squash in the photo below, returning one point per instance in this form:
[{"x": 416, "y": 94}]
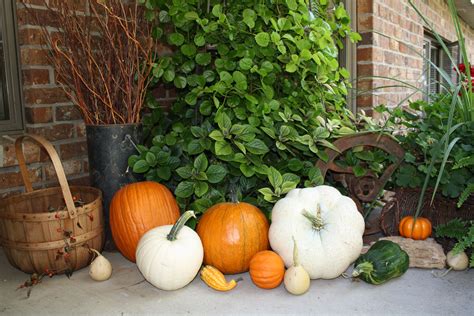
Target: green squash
[{"x": 385, "y": 260}]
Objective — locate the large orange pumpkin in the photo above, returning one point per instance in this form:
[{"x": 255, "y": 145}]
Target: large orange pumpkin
[
  {"x": 420, "y": 231},
  {"x": 231, "y": 234},
  {"x": 135, "y": 209},
  {"x": 267, "y": 269}
]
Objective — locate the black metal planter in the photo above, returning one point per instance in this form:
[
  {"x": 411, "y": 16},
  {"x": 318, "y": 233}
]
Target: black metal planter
[{"x": 109, "y": 147}]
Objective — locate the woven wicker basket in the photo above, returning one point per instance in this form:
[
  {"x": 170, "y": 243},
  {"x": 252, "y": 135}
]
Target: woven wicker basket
[
  {"x": 46, "y": 229},
  {"x": 442, "y": 210}
]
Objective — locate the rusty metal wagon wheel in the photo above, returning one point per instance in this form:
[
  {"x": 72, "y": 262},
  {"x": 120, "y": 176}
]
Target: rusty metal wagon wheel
[{"x": 366, "y": 188}]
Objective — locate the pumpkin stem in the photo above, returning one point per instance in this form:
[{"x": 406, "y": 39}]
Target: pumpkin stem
[
  {"x": 364, "y": 267},
  {"x": 179, "y": 224},
  {"x": 295, "y": 253},
  {"x": 317, "y": 221}
]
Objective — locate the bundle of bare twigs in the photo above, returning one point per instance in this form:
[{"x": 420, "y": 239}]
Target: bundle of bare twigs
[{"x": 102, "y": 54}]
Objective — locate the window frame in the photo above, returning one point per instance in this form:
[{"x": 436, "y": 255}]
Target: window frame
[
  {"x": 442, "y": 63},
  {"x": 13, "y": 87}
]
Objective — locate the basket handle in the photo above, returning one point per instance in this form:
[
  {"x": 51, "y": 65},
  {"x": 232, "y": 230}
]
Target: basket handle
[{"x": 58, "y": 167}]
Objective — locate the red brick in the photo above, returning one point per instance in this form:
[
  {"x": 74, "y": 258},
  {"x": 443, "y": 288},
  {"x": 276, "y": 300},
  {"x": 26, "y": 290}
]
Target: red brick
[
  {"x": 365, "y": 23},
  {"x": 67, "y": 113},
  {"x": 33, "y": 153},
  {"x": 365, "y": 6},
  {"x": 81, "y": 130},
  {"x": 13, "y": 179},
  {"x": 71, "y": 167},
  {"x": 37, "y": 115},
  {"x": 364, "y": 54},
  {"x": 45, "y": 96},
  {"x": 54, "y": 132},
  {"x": 35, "y": 76},
  {"x": 71, "y": 150},
  {"x": 34, "y": 56},
  {"x": 84, "y": 180},
  {"x": 36, "y": 17},
  {"x": 30, "y": 36}
]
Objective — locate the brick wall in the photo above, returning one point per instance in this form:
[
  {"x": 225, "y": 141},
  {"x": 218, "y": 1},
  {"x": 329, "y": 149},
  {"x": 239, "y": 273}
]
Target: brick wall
[
  {"x": 390, "y": 30},
  {"x": 48, "y": 112}
]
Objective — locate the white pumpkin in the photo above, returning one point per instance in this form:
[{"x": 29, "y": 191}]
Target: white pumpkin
[
  {"x": 328, "y": 228},
  {"x": 169, "y": 257}
]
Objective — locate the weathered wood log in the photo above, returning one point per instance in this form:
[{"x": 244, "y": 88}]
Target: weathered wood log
[{"x": 426, "y": 254}]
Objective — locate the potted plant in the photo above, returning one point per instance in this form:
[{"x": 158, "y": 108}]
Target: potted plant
[
  {"x": 102, "y": 56},
  {"x": 259, "y": 95}
]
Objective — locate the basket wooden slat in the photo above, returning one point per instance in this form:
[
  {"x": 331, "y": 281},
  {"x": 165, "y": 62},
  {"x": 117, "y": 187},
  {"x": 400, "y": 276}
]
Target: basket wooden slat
[{"x": 32, "y": 234}]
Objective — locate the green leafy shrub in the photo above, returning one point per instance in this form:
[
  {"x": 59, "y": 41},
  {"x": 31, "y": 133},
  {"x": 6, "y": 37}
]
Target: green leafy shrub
[
  {"x": 425, "y": 125},
  {"x": 462, "y": 232},
  {"x": 260, "y": 96}
]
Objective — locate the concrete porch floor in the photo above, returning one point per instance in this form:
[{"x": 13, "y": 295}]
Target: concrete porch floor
[{"x": 416, "y": 292}]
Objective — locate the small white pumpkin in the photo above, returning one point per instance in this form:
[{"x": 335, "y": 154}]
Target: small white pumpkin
[
  {"x": 296, "y": 278},
  {"x": 100, "y": 268},
  {"x": 169, "y": 257},
  {"x": 457, "y": 261},
  {"x": 328, "y": 228}
]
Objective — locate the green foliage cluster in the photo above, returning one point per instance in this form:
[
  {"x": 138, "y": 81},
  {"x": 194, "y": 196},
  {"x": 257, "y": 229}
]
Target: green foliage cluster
[
  {"x": 462, "y": 231},
  {"x": 426, "y": 124},
  {"x": 260, "y": 96}
]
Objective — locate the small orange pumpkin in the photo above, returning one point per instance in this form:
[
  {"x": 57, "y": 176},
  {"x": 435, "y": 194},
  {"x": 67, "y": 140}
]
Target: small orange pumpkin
[
  {"x": 267, "y": 269},
  {"x": 420, "y": 231},
  {"x": 135, "y": 209},
  {"x": 231, "y": 234}
]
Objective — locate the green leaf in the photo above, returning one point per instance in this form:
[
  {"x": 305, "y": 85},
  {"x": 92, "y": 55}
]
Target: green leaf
[
  {"x": 164, "y": 172},
  {"x": 223, "y": 148},
  {"x": 247, "y": 170},
  {"x": 249, "y": 18},
  {"x": 200, "y": 188},
  {"x": 288, "y": 186},
  {"x": 150, "y": 158},
  {"x": 240, "y": 80},
  {"x": 359, "y": 171},
  {"x": 205, "y": 108},
  {"x": 185, "y": 172},
  {"x": 295, "y": 164},
  {"x": 141, "y": 166},
  {"x": 176, "y": 39},
  {"x": 194, "y": 147},
  {"x": 275, "y": 178},
  {"x": 217, "y": 10},
  {"x": 191, "y": 16},
  {"x": 203, "y": 59},
  {"x": 216, "y": 135},
  {"x": 184, "y": 189},
  {"x": 201, "y": 163},
  {"x": 189, "y": 50},
  {"x": 245, "y": 63},
  {"x": 216, "y": 173},
  {"x": 262, "y": 39},
  {"x": 191, "y": 98},
  {"x": 199, "y": 40},
  {"x": 257, "y": 147},
  {"x": 292, "y": 5},
  {"x": 224, "y": 122},
  {"x": 180, "y": 82},
  {"x": 164, "y": 16},
  {"x": 365, "y": 155},
  {"x": 169, "y": 75}
]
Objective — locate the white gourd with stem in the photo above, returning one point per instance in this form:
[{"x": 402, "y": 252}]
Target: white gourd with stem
[
  {"x": 296, "y": 279},
  {"x": 100, "y": 268},
  {"x": 170, "y": 256}
]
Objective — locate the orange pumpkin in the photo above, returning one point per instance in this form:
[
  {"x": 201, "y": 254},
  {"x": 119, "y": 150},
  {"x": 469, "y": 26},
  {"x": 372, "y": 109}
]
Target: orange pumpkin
[
  {"x": 267, "y": 269},
  {"x": 420, "y": 231},
  {"x": 231, "y": 234},
  {"x": 135, "y": 209}
]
